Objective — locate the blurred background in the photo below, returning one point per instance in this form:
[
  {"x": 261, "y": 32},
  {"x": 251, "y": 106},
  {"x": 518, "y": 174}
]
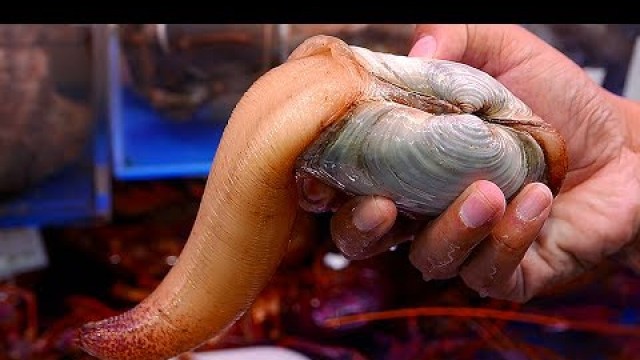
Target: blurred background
[{"x": 108, "y": 133}]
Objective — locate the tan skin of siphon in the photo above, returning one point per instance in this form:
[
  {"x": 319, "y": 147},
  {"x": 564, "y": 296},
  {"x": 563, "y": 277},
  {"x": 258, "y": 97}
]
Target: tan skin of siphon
[{"x": 238, "y": 238}]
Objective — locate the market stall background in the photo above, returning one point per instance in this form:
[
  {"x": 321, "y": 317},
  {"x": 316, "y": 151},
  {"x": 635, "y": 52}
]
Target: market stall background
[{"x": 97, "y": 235}]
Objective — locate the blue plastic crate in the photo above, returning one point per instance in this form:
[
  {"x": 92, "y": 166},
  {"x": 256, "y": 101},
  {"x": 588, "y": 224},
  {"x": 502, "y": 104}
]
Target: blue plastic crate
[{"x": 149, "y": 145}]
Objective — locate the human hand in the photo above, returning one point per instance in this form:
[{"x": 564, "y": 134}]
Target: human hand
[{"x": 514, "y": 251}]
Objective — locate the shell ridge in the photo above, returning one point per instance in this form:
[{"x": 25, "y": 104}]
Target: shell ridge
[{"x": 425, "y": 129}]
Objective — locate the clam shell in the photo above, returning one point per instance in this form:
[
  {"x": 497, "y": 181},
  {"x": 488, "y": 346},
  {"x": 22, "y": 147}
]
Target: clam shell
[{"x": 424, "y": 131}]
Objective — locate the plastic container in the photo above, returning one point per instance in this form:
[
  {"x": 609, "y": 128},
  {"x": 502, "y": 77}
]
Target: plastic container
[
  {"x": 391, "y": 38},
  {"x": 172, "y": 90},
  {"x": 57, "y": 170}
]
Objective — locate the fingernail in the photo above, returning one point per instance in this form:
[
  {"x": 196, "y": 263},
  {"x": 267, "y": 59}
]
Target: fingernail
[
  {"x": 424, "y": 47},
  {"x": 315, "y": 196},
  {"x": 313, "y": 190},
  {"x": 367, "y": 215},
  {"x": 537, "y": 198},
  {"x": 476, "y": 211}
]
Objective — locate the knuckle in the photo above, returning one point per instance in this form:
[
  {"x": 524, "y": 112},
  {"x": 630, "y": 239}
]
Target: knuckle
[
  {"x": 505, "y": 243},
  {"x": 432, "y": 268},
  {"x": 475, "y": 282}
]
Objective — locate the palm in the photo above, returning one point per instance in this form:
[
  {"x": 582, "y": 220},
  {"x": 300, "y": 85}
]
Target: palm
[
  {"x": 593, "y": 216},
  {"x": 590, "y": 221}
]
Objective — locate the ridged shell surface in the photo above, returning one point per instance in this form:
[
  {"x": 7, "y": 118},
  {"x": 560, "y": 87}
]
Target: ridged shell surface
[{"x": 424, "y": 131}]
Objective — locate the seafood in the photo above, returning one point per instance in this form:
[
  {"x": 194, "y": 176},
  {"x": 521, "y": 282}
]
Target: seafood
[
  {"x": 18, "y": 321},
  {"x": 410, "y": 137},
  {"x": 35, "y": 116},
  {"x": 21, "y": 331},
  {"x": 239, "y": 238}
]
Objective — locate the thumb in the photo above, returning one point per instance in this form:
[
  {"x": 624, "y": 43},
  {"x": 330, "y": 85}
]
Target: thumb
[
  {"x": 495, "y": 49},
  {"x": 424, "y": 47}
]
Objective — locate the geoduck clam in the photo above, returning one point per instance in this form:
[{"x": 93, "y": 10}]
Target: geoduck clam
[
  {"x": 362, "y": 121},
  {"x": 426, "y": 129}
]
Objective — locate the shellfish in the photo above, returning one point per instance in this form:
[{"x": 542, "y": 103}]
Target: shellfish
[
  {"x": 350, "y": 98},
  {"x": 426, "y": 129}
]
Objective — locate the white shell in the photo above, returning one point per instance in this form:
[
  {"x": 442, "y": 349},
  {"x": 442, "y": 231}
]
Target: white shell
[{"x": 397, "y": 143}]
